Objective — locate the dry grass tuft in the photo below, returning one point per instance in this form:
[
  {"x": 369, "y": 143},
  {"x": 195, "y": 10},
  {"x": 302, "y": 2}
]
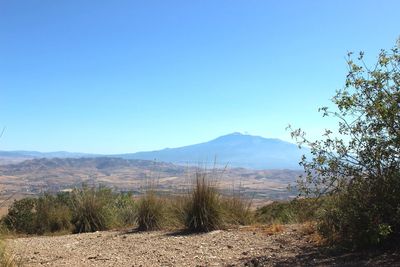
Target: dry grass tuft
[
  {"x": 310, "y": 229},
  {"x": 6, "y": 259},
  {"x": 270, "y": 229}
]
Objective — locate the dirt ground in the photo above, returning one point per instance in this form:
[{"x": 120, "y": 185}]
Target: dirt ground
[{"x": 247, "y": 246}]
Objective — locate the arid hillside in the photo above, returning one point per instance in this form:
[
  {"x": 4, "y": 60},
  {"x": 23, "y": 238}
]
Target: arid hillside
[{"x": 32, "y": 177}]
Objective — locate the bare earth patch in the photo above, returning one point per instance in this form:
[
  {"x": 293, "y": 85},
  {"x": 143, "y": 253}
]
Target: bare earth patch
[{"x": 239, "y": 247}]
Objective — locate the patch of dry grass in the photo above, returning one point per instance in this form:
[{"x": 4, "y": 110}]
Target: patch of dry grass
[
  {"x": 270, "y": 229},
  {"x": 310, "y": 229},
  {"x": 6, "y": 259}
]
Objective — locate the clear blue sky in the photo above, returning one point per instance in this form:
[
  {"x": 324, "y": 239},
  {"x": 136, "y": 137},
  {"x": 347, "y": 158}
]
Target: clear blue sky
[{"x": 124, "y": 76}]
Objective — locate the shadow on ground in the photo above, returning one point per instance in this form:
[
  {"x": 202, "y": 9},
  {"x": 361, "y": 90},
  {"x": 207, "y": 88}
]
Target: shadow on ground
[{"x": 317, "y": 256}]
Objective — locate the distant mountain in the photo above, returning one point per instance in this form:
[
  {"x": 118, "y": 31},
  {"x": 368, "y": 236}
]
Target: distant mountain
[{"x": 235, "y": 150}]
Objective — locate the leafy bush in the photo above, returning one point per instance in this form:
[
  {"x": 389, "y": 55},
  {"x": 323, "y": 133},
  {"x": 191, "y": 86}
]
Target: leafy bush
[
  {"x": 38, "y": 215},
  {"x": 359, "y": 166},
  {"x": 368, "y": 214},
  {"x": 21, "y": 216},
  {"x": 151, "y": 212},
  {"x": 203, "y": 211}
]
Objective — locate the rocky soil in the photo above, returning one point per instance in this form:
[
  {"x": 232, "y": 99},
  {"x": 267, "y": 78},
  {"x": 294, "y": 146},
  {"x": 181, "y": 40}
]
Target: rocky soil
[{"x": 248, "y": 246}]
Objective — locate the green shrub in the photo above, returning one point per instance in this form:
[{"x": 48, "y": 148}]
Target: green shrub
[
  {"x": 21, "y": 216},
  {"x": 358, "y": 164},
  {"x": 92, "y": 209},
  {"x": 38, "y": 215},
  {"x": 82, "y": 210},
  {"x": 203, "y": 211},
  {"x": 151, "y": 212},
  {"x": 369, "y": 213}
]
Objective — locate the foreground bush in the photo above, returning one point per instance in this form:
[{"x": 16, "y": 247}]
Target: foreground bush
[
  {"x": 203, "y": 211},
  {"x": 365, "y": 214}
]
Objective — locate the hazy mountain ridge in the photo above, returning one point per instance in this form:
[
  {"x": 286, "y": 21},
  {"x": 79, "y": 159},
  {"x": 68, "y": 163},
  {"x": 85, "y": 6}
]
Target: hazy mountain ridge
[{"x": 233, "y": 150}]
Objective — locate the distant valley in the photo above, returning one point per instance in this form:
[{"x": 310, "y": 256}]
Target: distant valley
[
  {"x": 56, "y": 174},
  {"x": 258, "y": 167}
]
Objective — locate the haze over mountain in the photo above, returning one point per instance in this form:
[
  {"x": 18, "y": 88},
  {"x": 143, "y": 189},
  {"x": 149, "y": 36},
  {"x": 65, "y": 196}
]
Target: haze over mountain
[
  {"x": 234, "y": 150},
  {"x": 37, "y": 154}
]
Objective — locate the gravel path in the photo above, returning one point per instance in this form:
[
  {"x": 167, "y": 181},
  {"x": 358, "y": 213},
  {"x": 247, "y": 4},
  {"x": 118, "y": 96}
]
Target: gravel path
[
  {"x": 115, "y": 248},
  {"x": 255, "y": 246}
]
